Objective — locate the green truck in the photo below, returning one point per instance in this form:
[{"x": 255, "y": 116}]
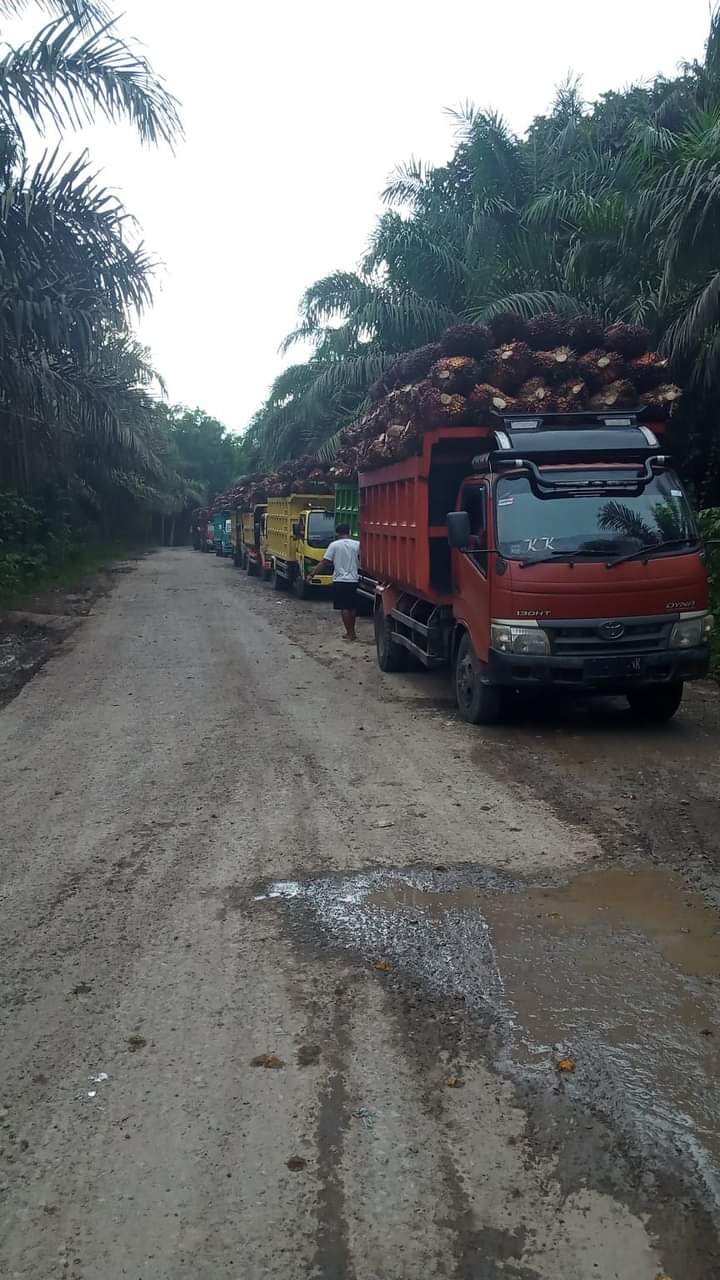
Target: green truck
[
  {"x": 347, "y": 507},
  {"x": 223, "y": 533}
]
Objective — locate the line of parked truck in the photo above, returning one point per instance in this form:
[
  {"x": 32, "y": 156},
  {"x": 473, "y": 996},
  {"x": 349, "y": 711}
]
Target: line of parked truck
[{"x": 551, "y": 551}]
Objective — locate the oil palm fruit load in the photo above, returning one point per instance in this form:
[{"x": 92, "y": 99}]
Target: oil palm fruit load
[
  {"x": 513, "y": 365},
  {"x": 302, "y": 475},
  {"x": 199, "y": 517}
]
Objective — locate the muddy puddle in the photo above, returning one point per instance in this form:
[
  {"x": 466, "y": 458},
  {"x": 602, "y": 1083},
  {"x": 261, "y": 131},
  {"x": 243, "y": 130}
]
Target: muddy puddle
[{"x": 617, "y": 968}]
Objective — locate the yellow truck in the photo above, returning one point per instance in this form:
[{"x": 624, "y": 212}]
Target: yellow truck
[
  {"x": 299, "y": 529},
  {"x": 250, "y": 541}
]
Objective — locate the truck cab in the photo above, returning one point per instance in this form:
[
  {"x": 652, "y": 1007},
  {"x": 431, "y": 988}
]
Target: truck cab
[
  {"x": 250, "y": 551},
  {"x": 223, "y": 533},
  {"x": 300, "y": 529},
  {"x": 575, "y": 566},
  {"x": 579, "y": 571},
  {"x": 313, "y": 532}
]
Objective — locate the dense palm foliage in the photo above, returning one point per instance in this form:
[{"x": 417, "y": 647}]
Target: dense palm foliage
[
  {"x": 614, "y": 208},
  {"x": 82, "y": 436}
]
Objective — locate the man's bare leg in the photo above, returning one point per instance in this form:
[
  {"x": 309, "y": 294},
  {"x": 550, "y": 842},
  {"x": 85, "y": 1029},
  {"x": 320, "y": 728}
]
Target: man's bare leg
[{"x": 348, "y": 617}]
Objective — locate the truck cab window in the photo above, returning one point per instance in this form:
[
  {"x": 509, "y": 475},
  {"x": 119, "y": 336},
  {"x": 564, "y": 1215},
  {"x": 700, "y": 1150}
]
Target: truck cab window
[{"x": 474, "y": 503}]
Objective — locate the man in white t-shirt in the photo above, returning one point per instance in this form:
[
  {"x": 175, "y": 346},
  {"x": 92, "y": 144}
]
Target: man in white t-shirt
[{"x": 342, "y": 556}]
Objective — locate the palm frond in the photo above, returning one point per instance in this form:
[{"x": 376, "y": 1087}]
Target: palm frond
[{"x": 65, "y": 78}]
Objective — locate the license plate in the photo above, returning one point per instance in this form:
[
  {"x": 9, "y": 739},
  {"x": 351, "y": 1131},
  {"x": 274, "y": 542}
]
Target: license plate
[{"x": 609, "y": 668}]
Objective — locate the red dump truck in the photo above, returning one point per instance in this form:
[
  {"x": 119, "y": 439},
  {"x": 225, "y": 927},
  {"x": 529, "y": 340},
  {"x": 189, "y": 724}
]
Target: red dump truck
[{"x": 553, "y": 552}]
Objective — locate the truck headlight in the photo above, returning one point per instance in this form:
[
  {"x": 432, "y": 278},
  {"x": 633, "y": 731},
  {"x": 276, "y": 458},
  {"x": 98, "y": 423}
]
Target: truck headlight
[
  {"x": 692, "y": 631},
  {"x": 507, "y": 638}
]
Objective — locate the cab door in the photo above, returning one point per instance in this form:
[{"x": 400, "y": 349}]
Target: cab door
[
  {"x": 301, "y": 526},
  {"x": 472, "y": 567}
]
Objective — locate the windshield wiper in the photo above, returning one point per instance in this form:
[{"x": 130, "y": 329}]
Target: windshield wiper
[
  {"x": 553, "y": 557},
  {"x": 691, "y": 543}
]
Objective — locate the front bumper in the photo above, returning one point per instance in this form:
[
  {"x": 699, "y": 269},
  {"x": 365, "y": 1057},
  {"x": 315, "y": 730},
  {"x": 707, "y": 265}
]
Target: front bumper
[{"x": 617, "y": 673}]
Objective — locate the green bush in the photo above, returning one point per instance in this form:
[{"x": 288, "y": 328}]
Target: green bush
[
  {"x": 25, "y": 541},
  {"x": 709, "y": 522}
]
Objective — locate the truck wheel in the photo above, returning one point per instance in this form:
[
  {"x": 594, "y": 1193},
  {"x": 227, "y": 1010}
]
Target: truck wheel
[
  {"x": 477, "y": 703},
  {"x": 267, "y": 575},
  {"x": 655, "y": 703},
  {"x": 250, "y": 567},
  {"x": 300, "y": 587},
  {"x": 279, "y": 583},
  {"x": 391, "y": 656}
]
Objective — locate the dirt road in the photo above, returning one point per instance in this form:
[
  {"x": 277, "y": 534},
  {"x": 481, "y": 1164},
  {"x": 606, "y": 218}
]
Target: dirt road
[{"x": 224, "y": 835}]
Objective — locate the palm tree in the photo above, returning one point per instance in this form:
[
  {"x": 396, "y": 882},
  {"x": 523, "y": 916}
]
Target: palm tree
[
  {"x": 73, "y": 383},
  {"x": 613, "y": 209},
  {"x": 77, "y": 67}
]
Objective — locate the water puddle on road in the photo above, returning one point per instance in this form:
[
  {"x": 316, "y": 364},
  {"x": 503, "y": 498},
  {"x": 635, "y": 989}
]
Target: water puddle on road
[
  {"x": 653, "y": 901},
  {"x": 620, "y": 968}
]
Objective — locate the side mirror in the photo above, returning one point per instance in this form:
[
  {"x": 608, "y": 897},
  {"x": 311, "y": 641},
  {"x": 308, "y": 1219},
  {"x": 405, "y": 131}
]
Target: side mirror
[
  {"x": 296, "y": 528},
  {"x": 458, "y": 524}
]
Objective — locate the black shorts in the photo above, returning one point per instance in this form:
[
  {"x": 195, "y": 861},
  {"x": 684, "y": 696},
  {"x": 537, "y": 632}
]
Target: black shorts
[{"x": 344, "y": 595}]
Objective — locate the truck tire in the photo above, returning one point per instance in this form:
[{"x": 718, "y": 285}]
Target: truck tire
[
  {"x": 267, "y": 575},
  {"x": 391, "y": 656},
  {"x": 656, "y": 703},
  {"x": 279, "y": 583},
  {"x": 300, "y": 587},
  {"x": 250, "y": 567},
  {"x": 478, "y": 703}
]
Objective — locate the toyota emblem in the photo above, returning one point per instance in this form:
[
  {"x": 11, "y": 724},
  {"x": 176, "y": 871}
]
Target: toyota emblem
[{"x": 612, "y": 630}]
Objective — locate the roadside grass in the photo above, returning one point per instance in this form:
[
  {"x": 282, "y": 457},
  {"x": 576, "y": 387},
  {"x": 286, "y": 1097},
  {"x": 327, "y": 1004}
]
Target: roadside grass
[{"x": 78, "y": 563}]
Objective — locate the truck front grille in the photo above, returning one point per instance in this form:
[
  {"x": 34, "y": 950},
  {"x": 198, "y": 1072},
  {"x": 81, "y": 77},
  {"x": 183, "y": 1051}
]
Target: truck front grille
[{"x": 646, "y": 635}]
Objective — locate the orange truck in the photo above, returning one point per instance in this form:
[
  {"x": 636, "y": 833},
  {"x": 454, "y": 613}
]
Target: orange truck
[{"x": 555, "y": 552}]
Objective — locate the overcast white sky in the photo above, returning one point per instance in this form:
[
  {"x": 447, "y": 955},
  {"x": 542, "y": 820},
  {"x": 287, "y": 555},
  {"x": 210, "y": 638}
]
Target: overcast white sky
[{"x": 296, "y": 113}]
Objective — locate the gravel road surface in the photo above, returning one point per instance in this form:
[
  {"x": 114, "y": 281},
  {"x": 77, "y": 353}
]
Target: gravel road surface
[{"x": 300, "y": 976}]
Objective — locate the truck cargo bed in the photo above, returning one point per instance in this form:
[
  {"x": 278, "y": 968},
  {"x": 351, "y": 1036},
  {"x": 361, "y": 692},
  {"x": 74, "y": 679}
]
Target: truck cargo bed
[
  {"x": 403, "y": 523},
  {"x": 282, "y": 512}
]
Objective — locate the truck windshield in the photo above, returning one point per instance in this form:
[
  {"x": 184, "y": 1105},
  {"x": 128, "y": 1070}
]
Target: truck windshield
[
  {"x": 321, "y": 529},
  {"x": 530, "y": 528}
]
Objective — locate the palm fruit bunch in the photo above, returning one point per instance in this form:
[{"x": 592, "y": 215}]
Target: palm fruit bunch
[
  {"x": 507, "y": 326},
  {"x": 648, "y": 371},
  {"x": 455, "y": 375},
  {"x": 616, "y": 395},
  {"x": 661, "y": 401},
  {"x": 547, "y": 330},
  {"x": 570, "y": 396},
  {"x": 467, "y": 340},
  {"x": 585, "y": 333},
  {"x": 533, "y": 395},
  {"x": 509, "y": 365},
  {"x": 600, "y": 367},
  {"x": 484, "y": 399},
  {"x": 417, "y": 364},
  {"x": 556, "y": 365},
  {"x": 630, "y": 340},
  {"x": 442, "y": 408}
]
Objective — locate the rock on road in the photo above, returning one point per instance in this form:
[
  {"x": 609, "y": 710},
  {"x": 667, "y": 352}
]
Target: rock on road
[{"x": 224, "y": 835}]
